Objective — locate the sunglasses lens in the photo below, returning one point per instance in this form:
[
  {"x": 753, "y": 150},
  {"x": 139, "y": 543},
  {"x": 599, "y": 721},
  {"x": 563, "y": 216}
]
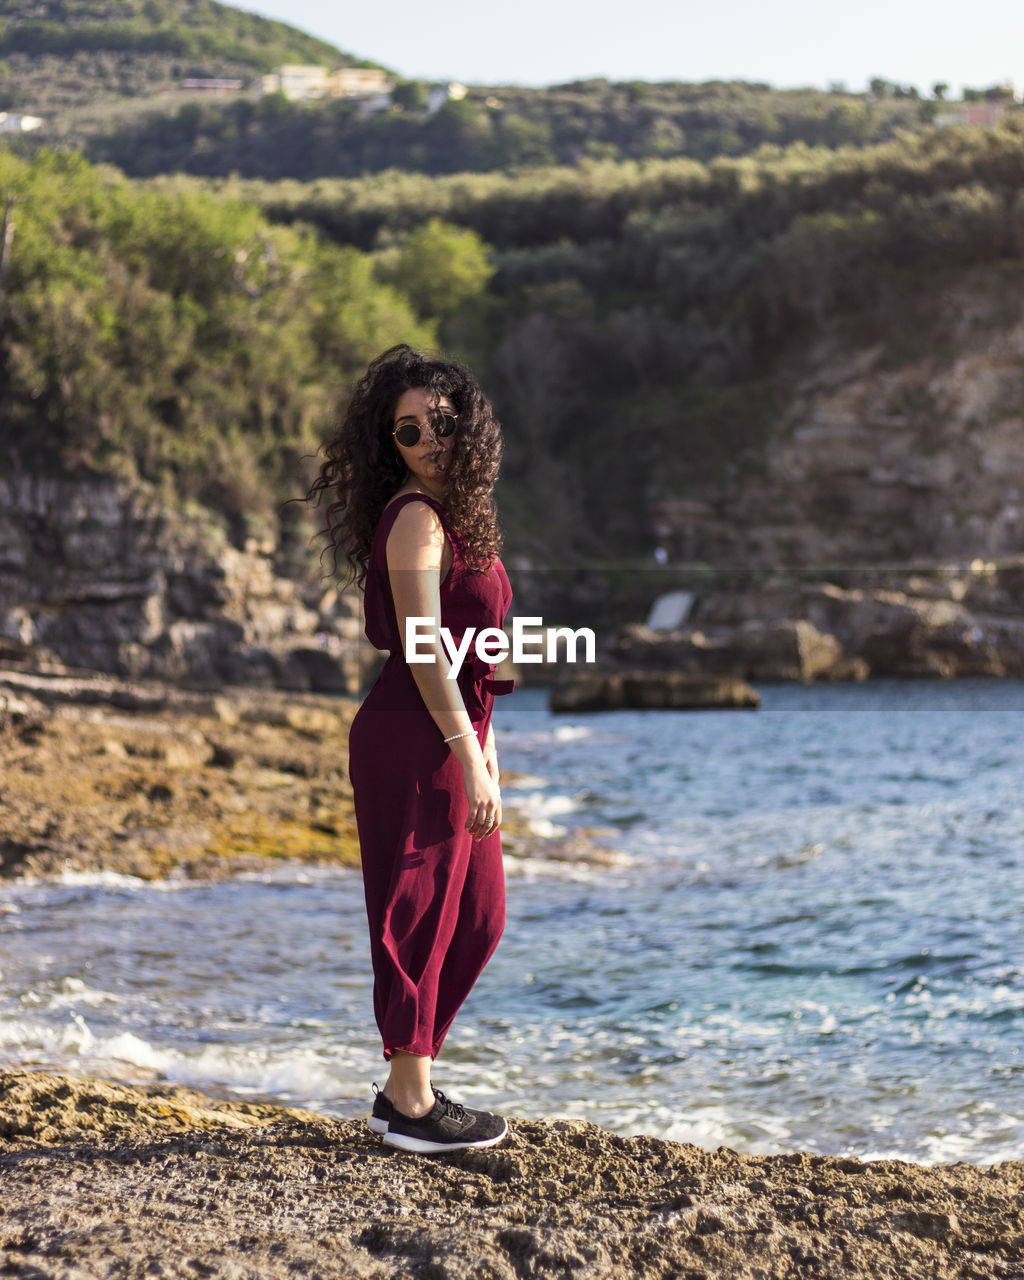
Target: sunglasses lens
[{"x": 408, "y": 434}]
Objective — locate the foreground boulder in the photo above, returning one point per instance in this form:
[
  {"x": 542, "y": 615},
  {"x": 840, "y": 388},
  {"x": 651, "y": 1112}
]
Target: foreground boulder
[{"x": 107, "y": 1180}]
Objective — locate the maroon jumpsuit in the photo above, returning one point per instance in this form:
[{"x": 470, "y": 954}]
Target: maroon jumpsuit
[{"x": 435, "y": 895}]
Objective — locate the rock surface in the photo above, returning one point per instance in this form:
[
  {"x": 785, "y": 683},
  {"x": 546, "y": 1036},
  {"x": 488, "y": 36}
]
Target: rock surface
[
  {"x": 142, "y": 779},
  {"x": 648, "y": 691},
  {"x": 96, "y": 573},
  {"x": 971, "y": 624},
  {"x": 111, "y": 1181},
  {"x": 896, "y": 440}
]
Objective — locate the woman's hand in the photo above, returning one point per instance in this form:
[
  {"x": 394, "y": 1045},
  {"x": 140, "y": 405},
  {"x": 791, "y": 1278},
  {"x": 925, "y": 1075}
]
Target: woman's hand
[{"x": 483, "y": 797}]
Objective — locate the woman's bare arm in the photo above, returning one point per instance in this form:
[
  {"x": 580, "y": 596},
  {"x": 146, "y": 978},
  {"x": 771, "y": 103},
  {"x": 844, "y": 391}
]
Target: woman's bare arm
[{"x": 414, "y": 553}]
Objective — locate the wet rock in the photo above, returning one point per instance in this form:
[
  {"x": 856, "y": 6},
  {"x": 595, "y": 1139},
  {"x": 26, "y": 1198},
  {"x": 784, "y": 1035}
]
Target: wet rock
[
  {"x": 821, "y": 631},
  {"x": 326, "y": 672},
  {"x": 755, "y": 650},
  {"x": 105, "y": 1180},
  {"x": 149, "y": 780},
  {"x": 648, "y": 690}
]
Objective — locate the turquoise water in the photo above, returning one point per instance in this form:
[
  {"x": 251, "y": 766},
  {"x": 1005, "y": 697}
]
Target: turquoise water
[{"x": 812, "y": 939}]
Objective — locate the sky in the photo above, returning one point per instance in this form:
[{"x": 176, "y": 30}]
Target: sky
[{"x": 788, "y": 43}]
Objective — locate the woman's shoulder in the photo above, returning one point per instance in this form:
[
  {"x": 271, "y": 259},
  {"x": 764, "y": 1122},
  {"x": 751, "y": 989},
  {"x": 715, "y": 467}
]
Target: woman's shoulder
[
  {"x": 412, "y": 510},
  {"x": 410, "y": 523},
  {"x": 409, "y": 495}
]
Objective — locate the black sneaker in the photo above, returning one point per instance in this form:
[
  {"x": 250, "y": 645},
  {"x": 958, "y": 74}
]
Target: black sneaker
[
  {"x": 447, "y": 1127},
  {"x": 381, "y": 1113}
]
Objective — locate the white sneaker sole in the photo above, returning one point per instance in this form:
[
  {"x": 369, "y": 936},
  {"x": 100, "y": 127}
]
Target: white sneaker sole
[
  {"x": 422, "y": 1147},
  {"x": 377, "y": 1126}
]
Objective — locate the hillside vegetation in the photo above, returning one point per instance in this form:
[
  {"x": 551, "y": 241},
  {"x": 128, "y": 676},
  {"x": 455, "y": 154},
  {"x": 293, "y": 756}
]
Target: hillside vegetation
[
  {"x": 106, "y": 77},
  {"x": 191, "y": 29},
  {"x": 88, "y": 66},
  {"x": 658, "y": 304},
  {"x": 637, "y": 324},
  {"x": 176, "y": 339},
  {"x": 499, "y": 128}
]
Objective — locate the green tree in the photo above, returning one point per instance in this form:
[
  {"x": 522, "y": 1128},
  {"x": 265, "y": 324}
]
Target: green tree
[
  {"x": 440, "y": 268},
  {"x": 409, "y": 95}
]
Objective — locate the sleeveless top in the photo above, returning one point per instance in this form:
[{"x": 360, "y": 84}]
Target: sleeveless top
[{"x": 469, "y": 598}]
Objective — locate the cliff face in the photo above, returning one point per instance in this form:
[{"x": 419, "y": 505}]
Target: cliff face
[
  {"x": 904, "y": 441},
  {"x": 899, "y": 440},
  {"x": 96, "y": 574}
]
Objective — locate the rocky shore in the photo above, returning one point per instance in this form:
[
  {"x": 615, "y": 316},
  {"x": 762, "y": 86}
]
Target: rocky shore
[
  {"x": 142, "y": 778},
  {"x": 105, "y": 1180},
  {"x": 100, "y": 1179},
  {"x": 967, "y": 622}
]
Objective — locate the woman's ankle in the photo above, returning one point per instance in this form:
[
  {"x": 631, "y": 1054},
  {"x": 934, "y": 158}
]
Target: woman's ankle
[
  {"x": 408, "y": 1085},
  {"x": 411, "y": 1102},
  {"x": 415, "y": 1106}
]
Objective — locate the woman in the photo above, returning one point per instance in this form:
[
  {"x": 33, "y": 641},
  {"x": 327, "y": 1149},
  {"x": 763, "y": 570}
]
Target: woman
[{"x": 410, "y": 474}]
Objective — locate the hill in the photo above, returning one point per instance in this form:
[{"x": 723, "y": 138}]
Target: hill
[
  {"x": 804, "y": 358},
  {"x": 106, "y": 76},
  {"x": 685, "y": 298},
  {"x": 498, "y": 128},
  {"x": 81, "y": 64}
]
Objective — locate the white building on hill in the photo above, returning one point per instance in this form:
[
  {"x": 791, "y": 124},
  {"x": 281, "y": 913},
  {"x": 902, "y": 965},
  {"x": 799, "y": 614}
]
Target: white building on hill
[{"x": 299, "y": 83}]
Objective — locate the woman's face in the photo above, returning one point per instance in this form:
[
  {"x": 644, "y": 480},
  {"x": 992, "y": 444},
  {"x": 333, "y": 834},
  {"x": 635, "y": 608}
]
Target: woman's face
[{"x": 428, "y": 459}]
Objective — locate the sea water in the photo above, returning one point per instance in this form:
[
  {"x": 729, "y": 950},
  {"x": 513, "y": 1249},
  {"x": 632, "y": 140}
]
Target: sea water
[{"x": 810, "y": 938}]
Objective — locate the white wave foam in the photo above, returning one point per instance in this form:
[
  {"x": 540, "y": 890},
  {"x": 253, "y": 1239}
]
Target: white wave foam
[
  {"x": 712, "y": 1127},
  {"x": 546, "y": 806},
  {"x": 132, "y": 1049},
  {"x": 299, "y": 873},
  {"x": 553, "y": 868},
  {"x": 295, "y": 1073},
  {"x": 545, "y": 829},
  {"x": 524, "y": 780},
  {"x": 287, "y": 1072},
  {"x": 29, "y": 1038},
  {"x": 73, "y": 991},
  {"x": 571, "y": 732},
  {"x": 103, "y": 880}
]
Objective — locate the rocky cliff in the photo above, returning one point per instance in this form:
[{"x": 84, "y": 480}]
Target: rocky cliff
[
  {"x": 97, "y": 574},
  {"x": 899, "y": 437},
  {"x": 887, "y": 511}
]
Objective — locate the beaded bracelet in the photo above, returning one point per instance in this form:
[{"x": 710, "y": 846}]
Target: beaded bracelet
[{"x": 468, "y": 734}]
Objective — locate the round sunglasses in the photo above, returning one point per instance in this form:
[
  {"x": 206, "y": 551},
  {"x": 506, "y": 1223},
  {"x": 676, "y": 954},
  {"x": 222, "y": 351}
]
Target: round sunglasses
[{"x": 408, "y": 433}]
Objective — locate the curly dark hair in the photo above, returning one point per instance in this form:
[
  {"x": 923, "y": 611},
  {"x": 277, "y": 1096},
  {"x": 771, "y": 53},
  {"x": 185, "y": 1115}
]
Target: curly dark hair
[{"x": 362, "y": 469}]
